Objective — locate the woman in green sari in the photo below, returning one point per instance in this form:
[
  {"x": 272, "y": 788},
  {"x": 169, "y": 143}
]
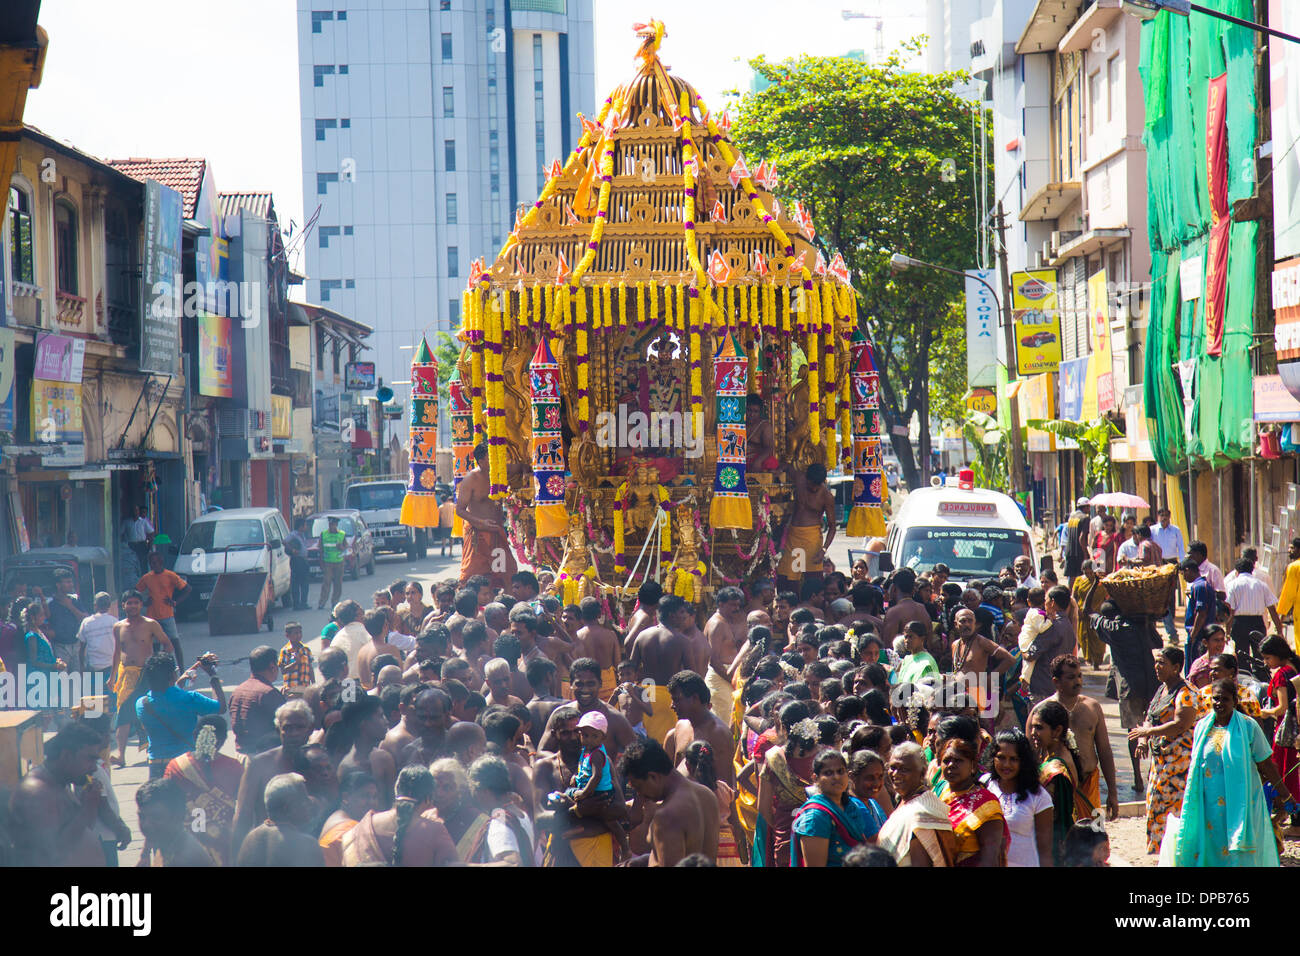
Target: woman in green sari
[
  {"x": 1049, "y": 729},
  {"x": 1225, "y": 819}
]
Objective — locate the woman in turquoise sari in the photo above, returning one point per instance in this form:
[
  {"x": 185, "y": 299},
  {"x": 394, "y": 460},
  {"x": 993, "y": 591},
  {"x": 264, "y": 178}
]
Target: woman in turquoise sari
[
  {"x": 832, "y": 821},
  {"x": 1225, "y": 819}
]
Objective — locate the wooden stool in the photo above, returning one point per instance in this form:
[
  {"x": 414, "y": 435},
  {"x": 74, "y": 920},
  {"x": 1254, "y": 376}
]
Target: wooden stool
[{"x": 21, "y": 739}]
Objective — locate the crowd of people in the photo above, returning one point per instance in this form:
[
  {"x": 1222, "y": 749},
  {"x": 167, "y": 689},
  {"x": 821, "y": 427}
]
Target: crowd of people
[{"x": 832, "y": 720}]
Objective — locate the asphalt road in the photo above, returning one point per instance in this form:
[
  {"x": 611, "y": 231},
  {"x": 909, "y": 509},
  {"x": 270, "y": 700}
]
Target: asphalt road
[{"x": 195, "y": 638}]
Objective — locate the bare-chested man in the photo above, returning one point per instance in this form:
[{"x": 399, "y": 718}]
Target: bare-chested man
[
  {"x": 376, "y": 623},
  {"x": 584, "y": 681},
  {"x": 541, "y": 674},
  {"x": 281, "y": 840},
  {"x": 430, "y": 716},
  {"x": 486, "y": 549},
  {"x": 600, "y": 643},
  {"x": 1090, "y": 734},
  {"x": 725, "y": 632},
  {"x": 294, "y": 722},
  {"x": 133, "y": 639},
  {"x": 364, "y": 725},
  {"x": 48, "y": 825},
  {"x": 645, "y": 615},
  {"x": 972, "y": 652},
  {"x": 396, "y": 739},
  {"x": 685, "y": 817},
  {"x": 805, "y": 550},
  {"x": 659, "y": 653},
  {"x": 903, "y": 608},
  {"x": 690, "y": 701}
]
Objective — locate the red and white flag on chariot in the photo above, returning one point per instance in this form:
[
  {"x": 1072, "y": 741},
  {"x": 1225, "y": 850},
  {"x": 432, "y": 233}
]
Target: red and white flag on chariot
[
  {"x": 719, "y": 213},
  {"x": 562, "y": 271},
  {"x": 556, "y": 170},
  {"x": 760, "y": 263},
  {"x": 724, "y": 123},
  {"x": 738, "y": 172},
  {"x": 719, "y": 271},
  {"x": 799, "y": 263},
  {"x": 840, "y": 269},
  {"x": 820, "y": 268}
]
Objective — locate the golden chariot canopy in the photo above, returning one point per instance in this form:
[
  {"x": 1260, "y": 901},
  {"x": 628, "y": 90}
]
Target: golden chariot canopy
[{"x": 653, "y": 310}]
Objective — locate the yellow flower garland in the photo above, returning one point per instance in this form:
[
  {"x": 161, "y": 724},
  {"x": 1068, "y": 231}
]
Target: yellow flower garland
[
  {"x": 584, "y": 407},
  {"x": 622, "y": 304}
]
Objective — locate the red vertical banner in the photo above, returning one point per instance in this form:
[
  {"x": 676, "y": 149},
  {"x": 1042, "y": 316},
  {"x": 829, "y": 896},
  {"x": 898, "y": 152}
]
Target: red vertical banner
[{"x": 1216, "y": 166}]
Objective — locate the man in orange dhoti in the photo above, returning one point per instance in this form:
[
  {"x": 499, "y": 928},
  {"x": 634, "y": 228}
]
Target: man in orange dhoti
[{"x": 486, "y": 548}]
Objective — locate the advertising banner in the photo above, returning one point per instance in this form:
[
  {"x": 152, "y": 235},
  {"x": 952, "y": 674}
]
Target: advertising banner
[
  {"x": 1038, "y": 321},
  {"x": 1099, "y": 391},
  {"x": 359, "y": 376},
  {"x": 59, "y": 358},
  {"x": 281, "y": 416},
  {"x": 160, "y": 333},
  {"x": 216, "y": 377},
  {"x": 56, "y": 412},
  {"x": 1036, "y": 402},
  {"x": 981, "y": 330}
]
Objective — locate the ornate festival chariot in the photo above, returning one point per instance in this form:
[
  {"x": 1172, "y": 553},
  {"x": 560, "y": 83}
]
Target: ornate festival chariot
[{"x": 611, "y": 346}]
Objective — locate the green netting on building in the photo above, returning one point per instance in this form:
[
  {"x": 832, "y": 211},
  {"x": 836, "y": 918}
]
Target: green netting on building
[{"x": 1180, "y": 55}]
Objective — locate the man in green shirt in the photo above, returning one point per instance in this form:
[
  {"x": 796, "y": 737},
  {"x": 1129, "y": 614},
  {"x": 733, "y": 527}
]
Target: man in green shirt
[
  {"x": 331, "y": 563},
  {"x": 918, "y": 664}
]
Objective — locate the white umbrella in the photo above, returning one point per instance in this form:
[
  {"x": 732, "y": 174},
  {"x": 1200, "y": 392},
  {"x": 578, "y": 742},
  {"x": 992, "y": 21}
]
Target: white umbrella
[{"x": 1120, "y": 499}]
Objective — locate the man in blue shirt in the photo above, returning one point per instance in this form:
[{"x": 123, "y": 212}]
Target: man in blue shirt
[
  {"x": 169, "y": 714},
  {"x": 1202, "y": 605}
]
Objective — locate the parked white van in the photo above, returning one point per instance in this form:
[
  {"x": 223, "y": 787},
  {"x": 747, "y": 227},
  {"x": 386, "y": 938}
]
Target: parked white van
[
  {"x": 975, "y": 532},
  {"x": 233, "y": 541}
]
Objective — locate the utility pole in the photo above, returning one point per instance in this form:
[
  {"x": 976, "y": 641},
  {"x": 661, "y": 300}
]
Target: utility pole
[{"x": 1009, "y": 330}]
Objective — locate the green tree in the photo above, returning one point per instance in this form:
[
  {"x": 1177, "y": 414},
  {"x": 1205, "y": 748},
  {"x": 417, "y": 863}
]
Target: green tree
[
  {"x": 988, "y": 440},
  {"x": 1093, "y": 439},
  {"x": 446, "y": 350},
  {"x": 882, "y": 158}
]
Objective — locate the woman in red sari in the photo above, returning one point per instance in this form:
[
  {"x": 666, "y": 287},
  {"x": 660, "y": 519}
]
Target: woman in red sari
[
  {"x": 975, "y": 813},
  {"x": 1283, "y": 666}
]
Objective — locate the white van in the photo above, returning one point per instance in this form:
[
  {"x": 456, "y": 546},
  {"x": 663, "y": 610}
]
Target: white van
[
  {"x": 233, "y": 541},
  {"x": 975, "y": 532}
]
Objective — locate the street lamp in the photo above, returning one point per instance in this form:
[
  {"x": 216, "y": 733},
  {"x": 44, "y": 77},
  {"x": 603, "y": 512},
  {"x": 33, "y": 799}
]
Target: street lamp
[
  {"x": 1147, "y": 9},
  {"x": 899, "y": 262}
]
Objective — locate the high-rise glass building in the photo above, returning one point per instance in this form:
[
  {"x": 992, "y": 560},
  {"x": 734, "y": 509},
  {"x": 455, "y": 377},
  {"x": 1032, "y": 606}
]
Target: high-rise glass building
[{"x": 425, "y": 123}]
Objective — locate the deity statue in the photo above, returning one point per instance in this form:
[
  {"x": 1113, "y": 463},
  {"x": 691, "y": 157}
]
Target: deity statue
[
  {"x": 686, "y": 575},
  {"x": 580, "y": 576},
  {"x": 642, "y": 498}
]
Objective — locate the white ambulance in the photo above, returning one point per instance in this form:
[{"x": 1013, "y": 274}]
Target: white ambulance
[{"x": 975, "y": 532}]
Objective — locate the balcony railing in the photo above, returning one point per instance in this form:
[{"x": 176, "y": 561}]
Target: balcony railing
[
  {"x": 27, "y": 303},
  {"x": 71, "y": 311}
]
